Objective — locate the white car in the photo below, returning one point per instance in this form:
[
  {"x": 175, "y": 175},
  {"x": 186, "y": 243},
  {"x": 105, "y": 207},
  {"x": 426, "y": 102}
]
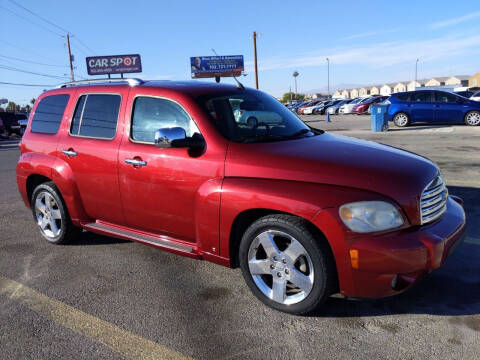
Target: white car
[
  {"x": 309, "y": 110},
  {"x": 253, "y": 117},
  {"x": 347, "y": 108},
  {"x": 476, "y": 96}
]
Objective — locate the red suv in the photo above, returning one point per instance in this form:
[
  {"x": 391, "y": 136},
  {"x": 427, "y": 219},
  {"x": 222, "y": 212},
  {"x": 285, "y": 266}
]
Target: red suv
[{"x": 304, "y": 213}]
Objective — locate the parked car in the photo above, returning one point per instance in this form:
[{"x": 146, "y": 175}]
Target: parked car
[
  {"x": 308, "y": 105},
  {"x": 465, "y": 93},
  {"x": 363, "y": 106},
  {"x": 321, "y": 108},
  {"x": 10, "y": 124},
  {"x": 22, "y": 121},
  {"x": 385, "y": 101},
  {"x": 347, "y": 108},
  {"x": 310, "y": 109},
  {"x": 475, "y": 96},
  {"x": 252, "y": 114},
  {"x": 432, "y": 107},
  {"x": 335, "y": 108},
  {"x": 304, "y": 213}
]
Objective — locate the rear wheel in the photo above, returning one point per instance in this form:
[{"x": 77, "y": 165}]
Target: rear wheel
[
  {"x": 51, "y": 216},
  {"x": 401, "y": 119},
  {"x": 472, "y": 118},
  {"x": 285, "y": 266}
]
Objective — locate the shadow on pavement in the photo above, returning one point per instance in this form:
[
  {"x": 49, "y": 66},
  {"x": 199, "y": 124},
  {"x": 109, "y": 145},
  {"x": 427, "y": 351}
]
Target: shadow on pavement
[
  {"x": 417, "y": 127},
  {"x": 454, "y": 289}
]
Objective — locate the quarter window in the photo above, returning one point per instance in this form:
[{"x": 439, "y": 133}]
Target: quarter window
[
  {"x": 96, "y": 115},
  {"x": 49, "y": 113},
  {"x": 151, "y": 114}
]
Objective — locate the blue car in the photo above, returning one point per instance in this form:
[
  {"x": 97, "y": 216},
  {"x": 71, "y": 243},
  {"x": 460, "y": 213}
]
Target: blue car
[{"x": 432, "y": 107}]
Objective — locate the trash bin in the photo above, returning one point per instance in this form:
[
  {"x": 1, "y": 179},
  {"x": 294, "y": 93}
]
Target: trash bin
[{"x": 379, "y": 117}]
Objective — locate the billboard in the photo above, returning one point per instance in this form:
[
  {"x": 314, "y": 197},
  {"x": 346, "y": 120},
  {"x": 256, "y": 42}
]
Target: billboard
[
  {"x": 114, "y": 64},
  {"x": 214, "y": 66}
]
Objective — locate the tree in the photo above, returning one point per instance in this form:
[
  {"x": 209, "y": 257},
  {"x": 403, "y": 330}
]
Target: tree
[
  {"x": 290, "y": 95},
  {"x": 11, "y": 106}
]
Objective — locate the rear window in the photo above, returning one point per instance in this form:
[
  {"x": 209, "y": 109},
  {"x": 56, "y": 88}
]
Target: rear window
[
  {"x": 96, "y": 116},
  {"x": 49, "y": 113}
]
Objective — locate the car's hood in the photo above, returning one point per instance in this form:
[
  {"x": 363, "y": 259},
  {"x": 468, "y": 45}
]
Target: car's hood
[{"x": 336, "y": 160}]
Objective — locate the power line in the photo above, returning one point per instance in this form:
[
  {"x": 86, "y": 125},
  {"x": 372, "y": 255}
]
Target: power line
[
  {"x": 53, "y": 24},
  {"x": 40, "y": 17},
  {"x": 31, "y": 62},
  {"x": 26, "y": 50},
  {"x": 93, "y": 52},
  {"x": 31, "y": 72},
  {"x": 19, "y": 84},
  {"x": 31, "y": 22}
]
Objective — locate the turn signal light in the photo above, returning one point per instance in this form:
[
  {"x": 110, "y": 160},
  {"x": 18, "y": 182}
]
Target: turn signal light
[{"x": 354, "y": 258}]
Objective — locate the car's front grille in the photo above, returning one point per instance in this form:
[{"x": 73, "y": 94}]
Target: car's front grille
[{"x": 433, "y": 202}]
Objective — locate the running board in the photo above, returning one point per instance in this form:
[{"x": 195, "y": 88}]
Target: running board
[{"x": 159, "y": 241}]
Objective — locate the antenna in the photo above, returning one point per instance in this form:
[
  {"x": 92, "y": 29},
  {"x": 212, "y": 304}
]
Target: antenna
[{"x": 239, "y": 84}]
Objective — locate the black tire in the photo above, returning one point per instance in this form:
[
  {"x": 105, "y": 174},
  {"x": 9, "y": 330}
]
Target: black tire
[
  {"x": 399, "y": 119},
  {"x": 324, "y": 272},
  {"x": 67, "y": 231},
  {"x": 472, "y": 118},
  {"x": 252, "y": 122}
]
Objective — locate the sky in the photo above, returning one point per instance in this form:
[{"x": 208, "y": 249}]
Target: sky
[{"x": 367, "y": 42}]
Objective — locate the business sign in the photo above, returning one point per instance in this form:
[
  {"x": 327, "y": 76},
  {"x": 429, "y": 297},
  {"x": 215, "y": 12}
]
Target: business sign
[
  {"x": 216, "y": 66},
  {"x": 114, "y": 64}
]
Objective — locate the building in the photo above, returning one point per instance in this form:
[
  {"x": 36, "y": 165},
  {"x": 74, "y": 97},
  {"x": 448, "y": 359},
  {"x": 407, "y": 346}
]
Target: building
[
  {"x": 387, "y": 89},
  {"x": 438, "y": 81},
  {"x": 353, "y": 93},
  {"x": 364, "y": 91},
  {"x": 337, "y": 94},
  {"x": 346, "y": 94},
  {"x": 374, "y": 90},
  {"x": 474, "y": 80},
  {"x": 459, "y": 80},
  {"x": 400, "y": 87},
  {"x": 412, "y": 85}
]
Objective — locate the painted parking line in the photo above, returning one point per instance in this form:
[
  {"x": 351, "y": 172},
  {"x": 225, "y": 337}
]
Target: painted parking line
[{"x": 121, "y": 341}]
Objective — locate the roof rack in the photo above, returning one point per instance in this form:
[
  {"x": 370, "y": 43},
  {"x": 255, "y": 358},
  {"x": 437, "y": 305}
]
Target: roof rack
[{"x": 129, "y": 81}]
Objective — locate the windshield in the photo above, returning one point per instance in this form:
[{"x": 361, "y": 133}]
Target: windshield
[
  {"x": 252, "y": 116},
  {"x": 356, "y": 101}
]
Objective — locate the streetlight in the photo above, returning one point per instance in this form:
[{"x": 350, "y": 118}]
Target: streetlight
[
  {"x": 416, "y": 72},
  {"x": 328, "y": 76},
  {"x": 295, "y": 74}
]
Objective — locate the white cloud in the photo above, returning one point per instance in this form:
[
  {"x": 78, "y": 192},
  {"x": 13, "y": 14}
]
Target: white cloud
[
  {"x": 455, "y": 21},
  {"x": 369, "y": 34},
  {"x": 378, "y": 55}
]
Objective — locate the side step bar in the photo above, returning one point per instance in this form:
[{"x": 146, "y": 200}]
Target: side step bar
[{"x": 163, "y": 242}]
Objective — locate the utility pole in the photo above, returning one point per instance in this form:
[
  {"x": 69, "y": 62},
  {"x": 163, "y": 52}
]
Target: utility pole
[
  {"x": 328, "y": 76},
  {"x": 70, "y": 57},
  {"x": 416, "y": 68},
  {"x": 255, "y": 57},
  {"x": 295, "y": 74}
]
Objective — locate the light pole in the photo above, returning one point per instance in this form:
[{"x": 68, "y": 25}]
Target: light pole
[
  {"x": 295, "y": 74},
  {"x": 328, "y": 76},
  {"x": 255, "y": 35},
  {"x": 416, "y": 73}
]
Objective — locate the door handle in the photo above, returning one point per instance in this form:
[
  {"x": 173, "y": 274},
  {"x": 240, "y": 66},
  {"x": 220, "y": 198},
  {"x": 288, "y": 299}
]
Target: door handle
[
  {"x": 69, "y": 153},
  {"x": 135, "y": 162}
]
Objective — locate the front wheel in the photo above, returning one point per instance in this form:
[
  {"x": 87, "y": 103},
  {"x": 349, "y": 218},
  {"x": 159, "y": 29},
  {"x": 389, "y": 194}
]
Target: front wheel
[
  {"x": 285, "y": 265},
  {"x": 472, "y": 118},
  {"x": 51, "y": 216},
  {"x": 401, "y": 120}
]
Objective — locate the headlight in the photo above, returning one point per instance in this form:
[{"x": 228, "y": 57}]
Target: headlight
[{"x": 370, "y": 216}]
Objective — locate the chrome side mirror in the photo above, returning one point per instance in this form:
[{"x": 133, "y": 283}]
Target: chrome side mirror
[{"x": 165, "y": 136}]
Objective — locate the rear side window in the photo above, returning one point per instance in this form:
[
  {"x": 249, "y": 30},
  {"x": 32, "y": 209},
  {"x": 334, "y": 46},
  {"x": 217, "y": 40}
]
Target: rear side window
[
  {"x": 445, "y": 97},
  {"x": 421, "y": 96},
  {"x": 49, "y": 113},
  {"x": 96, "y": 116},
  {"x": 403, "y": 97}
]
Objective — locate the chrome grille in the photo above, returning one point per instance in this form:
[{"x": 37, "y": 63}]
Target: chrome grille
[{"x": 433, "y": 202}]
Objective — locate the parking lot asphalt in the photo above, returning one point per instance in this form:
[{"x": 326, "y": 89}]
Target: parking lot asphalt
[{"x": 106, "y": 298}]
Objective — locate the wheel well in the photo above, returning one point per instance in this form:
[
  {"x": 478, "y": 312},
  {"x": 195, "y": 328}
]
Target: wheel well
[{"x": 33, "y": 181}]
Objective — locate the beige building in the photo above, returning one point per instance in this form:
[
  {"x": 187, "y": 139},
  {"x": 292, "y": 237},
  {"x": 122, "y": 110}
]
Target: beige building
[
  {"x": 412, "y": 85},
  {"x": 400, "y": 87},
  {"x": 364, "y": 91},
  {"x": 474, "y": 80},
  {"x": 346, "y": 94},
  {"x": 374, "y": 90},
  {"x": 386, "y": 89},
  {"x": 353, "y": 93},
  {"x": 438, "y": 81},
  {"x": 459, "y": 80},
  {"x": 337, "y": 94}
]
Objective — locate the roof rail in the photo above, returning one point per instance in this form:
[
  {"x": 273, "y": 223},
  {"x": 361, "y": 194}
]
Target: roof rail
[{"x": 129, "y": 81}]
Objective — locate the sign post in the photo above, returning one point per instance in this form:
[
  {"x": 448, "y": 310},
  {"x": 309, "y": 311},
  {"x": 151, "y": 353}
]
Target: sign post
[
  {"x": 114, "y": 64},
  {"x": 216, "y": 66}
]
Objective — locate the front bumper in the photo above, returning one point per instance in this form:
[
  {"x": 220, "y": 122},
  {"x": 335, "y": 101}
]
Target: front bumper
[{"x": 373, "y": 266}]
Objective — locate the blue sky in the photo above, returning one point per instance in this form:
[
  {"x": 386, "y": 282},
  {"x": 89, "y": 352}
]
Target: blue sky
[{"x": 368, "y": 42}]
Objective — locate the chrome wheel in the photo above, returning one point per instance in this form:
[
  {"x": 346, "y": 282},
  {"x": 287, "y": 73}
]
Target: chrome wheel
[
  {"x": 280, "y": 267},
  {"x": 48, "y": 215},
  {"x": 401, "y": 120},
  {"x": 473, "y": 118}
]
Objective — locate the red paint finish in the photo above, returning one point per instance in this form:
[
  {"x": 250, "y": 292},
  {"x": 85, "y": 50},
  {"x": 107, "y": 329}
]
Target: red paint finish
[{"x": 194, "y": 200}]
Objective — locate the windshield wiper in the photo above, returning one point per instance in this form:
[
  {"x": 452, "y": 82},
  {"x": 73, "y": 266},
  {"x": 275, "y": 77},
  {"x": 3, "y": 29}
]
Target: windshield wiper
[
  {"x": 261, "y": 138},
  {"x": 299, "y": 133}
]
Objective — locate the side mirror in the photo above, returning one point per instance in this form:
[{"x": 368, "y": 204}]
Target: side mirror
[{"x": 165, "y": 136}]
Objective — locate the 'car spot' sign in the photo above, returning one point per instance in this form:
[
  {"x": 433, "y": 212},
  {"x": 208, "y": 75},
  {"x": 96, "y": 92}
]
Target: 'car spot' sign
[{"x": 114, "y": 64}]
